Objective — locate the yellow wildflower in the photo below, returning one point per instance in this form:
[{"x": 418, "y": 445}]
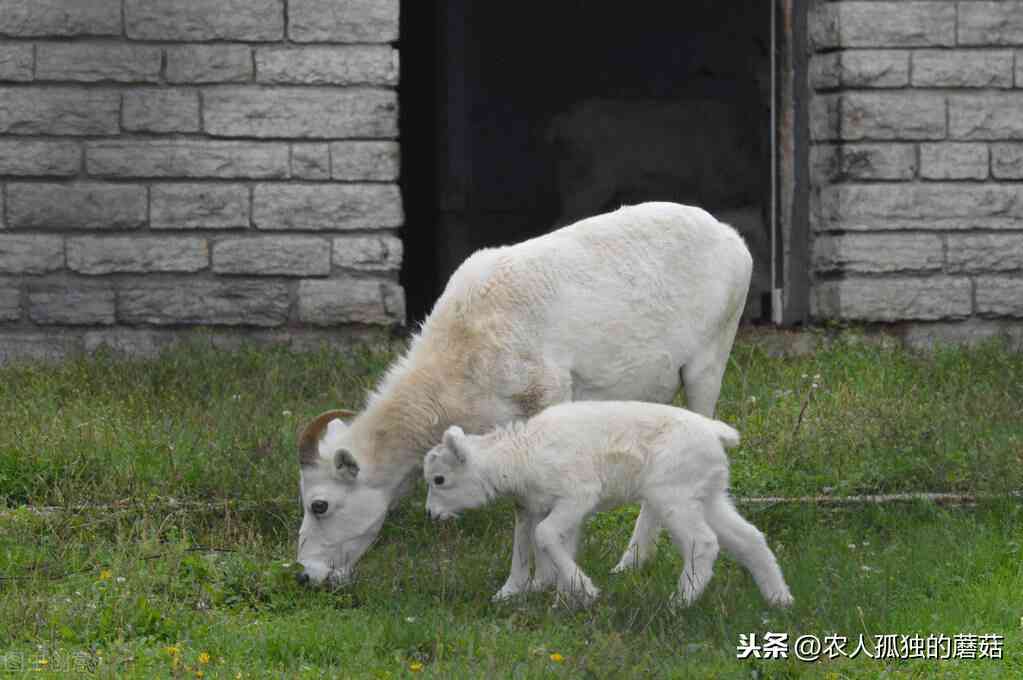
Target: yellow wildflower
[
  {"x": 415, "y": 667},
  {"x": 557, "y": 658},
  {"x": 174, "y": 652},
  {"x": 43, "y": 662},
  {"x": 199, "y": 674},
  {"x": 204, "y": 658},
  {"x": 105, "y": 575}
]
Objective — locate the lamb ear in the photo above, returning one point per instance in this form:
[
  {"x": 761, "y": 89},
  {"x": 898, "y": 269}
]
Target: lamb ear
[
  {"x": 454, "y": 441},
  {"x": 310, "y": 436},
  {"x": 346, "y": 464}
]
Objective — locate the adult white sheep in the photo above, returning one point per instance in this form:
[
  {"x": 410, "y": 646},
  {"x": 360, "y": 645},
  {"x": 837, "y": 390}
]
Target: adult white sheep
[{"x": 614, "y": 307}]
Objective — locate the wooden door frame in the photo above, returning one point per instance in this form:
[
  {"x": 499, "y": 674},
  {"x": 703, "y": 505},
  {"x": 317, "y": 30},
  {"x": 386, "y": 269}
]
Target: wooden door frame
[{"x": 792, "y": 161}]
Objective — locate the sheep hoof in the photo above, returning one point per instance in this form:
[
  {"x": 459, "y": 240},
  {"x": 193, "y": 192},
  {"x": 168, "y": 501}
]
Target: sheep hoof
[
  {"x": 782, "y": 598},
  {"x": 508, "y": 592}
]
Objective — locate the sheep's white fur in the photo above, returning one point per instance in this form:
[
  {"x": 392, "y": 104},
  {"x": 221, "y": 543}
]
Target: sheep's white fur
[
  {"x": 617, "y": 306},
  {"x": 574, "y": 459}
]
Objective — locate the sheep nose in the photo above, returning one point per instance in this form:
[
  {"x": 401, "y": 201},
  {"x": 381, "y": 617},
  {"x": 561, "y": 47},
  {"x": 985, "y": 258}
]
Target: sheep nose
[{"x": 302, "y": 578}]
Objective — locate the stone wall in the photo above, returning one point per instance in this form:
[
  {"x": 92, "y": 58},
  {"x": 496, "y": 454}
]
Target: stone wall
[
  {"x": 166, "y": 164},
  {"x": 916, "y": 122}
]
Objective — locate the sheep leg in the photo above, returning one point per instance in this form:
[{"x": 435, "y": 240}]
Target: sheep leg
[
  {"x": 703, "y": 385},
  {"x": 518, "y": 580},
  {"x": 546, "y": 574},
  {"x": 702, "y": 375},
  {"x": 643, "y": 542},
  {"x": 554, "y": 536},
  {"x": 748, "y": 545},
  {"x": 694, "y": 539}
]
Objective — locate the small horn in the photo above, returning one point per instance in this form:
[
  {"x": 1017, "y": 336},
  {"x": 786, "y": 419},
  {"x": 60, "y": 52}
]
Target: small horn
[{"x": 309, "y": 438}]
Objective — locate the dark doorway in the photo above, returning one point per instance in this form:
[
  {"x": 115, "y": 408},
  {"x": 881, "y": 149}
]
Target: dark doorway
[{"x": 521, "y": 117}]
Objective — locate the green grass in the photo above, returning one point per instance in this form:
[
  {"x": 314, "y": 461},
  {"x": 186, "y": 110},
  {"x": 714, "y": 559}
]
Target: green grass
[{"x": 122, "y": 586}]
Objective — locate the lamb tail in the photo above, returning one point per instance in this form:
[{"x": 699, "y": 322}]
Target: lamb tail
[{"x": 726, "y": 434}]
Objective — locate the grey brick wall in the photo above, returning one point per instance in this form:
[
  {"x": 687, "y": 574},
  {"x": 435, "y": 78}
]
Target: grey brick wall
[
  {"x": 230, "y": 164},
  {"x": 916, "y": 124}
]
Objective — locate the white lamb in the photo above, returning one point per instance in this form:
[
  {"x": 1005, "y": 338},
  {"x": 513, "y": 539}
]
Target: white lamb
[{"x": 577, "y": 458}]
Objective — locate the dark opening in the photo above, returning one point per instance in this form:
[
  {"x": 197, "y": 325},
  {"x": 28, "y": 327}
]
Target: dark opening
[
  {"x": 518, "y": 118},
  {"x": 418, "y": 114}
]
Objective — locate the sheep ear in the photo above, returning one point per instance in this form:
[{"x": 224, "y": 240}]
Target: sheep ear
[
  {"x": 454, "y": 441},
  {"x": 310, "y": 436},
  {"x": 345, "y": 464}
]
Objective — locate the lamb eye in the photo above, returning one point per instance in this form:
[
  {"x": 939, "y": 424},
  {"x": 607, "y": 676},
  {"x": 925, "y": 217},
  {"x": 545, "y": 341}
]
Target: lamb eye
[
  {"x": 319, "y": 507},
  {"x": 439, "y": 480}
]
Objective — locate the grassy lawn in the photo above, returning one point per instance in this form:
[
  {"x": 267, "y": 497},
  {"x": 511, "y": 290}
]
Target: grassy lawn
[{"x": 172, "y": 556}]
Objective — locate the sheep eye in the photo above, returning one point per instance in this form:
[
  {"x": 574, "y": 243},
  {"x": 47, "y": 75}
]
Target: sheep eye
[
  {"x": 319, "y": 507},
  {"x": 439, "y": 480}
]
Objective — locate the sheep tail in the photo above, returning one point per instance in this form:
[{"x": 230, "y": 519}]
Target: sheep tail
[{"x": 726, "y": 434}]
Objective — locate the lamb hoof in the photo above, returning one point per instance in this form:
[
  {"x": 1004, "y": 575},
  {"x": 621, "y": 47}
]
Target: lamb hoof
[
  {"x": 576, "y": 599},
  {"x": 628, "y": 562},
  {"x": 586, "y": 595},
  {"x": 782, "y": 598},
  {"x": 683, "y": 600},
  {"x": 507, "y": 593},
  {"x": 540, "y": 585}
]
